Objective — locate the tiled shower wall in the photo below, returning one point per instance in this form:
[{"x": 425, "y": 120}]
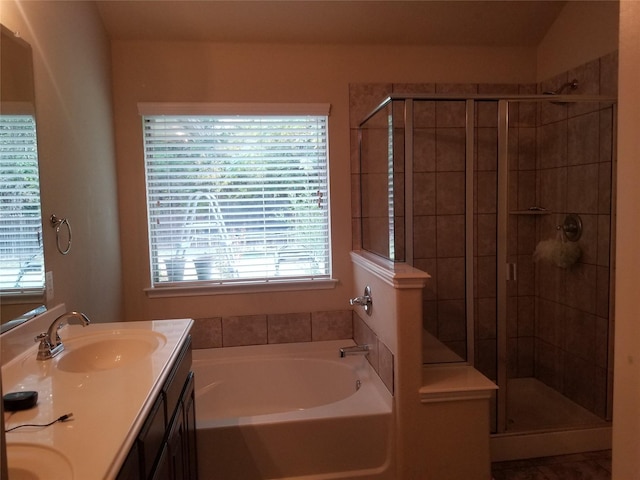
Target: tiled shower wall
[
  {"x": 573, "y": 311},
  {"x": 557, "y": 319}
]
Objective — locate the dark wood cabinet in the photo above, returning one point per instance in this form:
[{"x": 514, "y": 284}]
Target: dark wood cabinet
[{"x": 165, "y": 448}]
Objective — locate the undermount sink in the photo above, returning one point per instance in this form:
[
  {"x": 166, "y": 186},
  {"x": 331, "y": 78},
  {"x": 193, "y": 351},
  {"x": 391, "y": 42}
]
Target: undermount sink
[
  {"x": 106, "y": 352},
  {"x": 32, "y": 462}
]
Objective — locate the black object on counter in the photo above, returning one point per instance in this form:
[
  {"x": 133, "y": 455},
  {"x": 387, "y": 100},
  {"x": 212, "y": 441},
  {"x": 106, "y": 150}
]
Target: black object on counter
[{"x": 15, "y": 401}]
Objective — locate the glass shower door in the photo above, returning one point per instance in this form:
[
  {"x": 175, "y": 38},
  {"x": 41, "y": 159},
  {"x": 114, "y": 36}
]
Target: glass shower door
[{"x": 553, "y": 264}]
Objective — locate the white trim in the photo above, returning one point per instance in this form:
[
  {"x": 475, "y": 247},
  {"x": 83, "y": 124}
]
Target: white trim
[
  {"x": 450, "y": 383},
  {"x": 17, "y": 108},
  {"x": 194, "y": 290},
  {"x": 398, "y": 275},
  {"x": 186, "y": 108}
]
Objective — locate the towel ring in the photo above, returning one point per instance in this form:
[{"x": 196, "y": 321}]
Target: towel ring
[{"x": 57, "y": 223}]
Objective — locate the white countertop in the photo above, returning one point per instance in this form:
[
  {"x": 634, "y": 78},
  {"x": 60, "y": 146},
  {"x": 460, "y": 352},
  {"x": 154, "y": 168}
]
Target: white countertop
[{"x": 108, "y": 406}]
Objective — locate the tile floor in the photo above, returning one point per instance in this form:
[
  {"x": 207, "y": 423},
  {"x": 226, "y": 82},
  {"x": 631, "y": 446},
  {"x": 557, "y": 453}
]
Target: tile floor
[{"x": 579, "y": 466}]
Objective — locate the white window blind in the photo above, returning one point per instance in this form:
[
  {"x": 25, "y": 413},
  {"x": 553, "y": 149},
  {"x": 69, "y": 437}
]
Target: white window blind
[
  {"x": 237, "y": 198},
  {"x": 21, "y": 252}
]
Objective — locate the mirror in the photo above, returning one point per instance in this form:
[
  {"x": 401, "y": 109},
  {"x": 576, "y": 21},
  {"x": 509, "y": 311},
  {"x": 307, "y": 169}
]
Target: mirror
[{"x": 21, "y": 248}]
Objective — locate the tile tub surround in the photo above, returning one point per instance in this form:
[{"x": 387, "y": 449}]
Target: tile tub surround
[
  {"x": 380, "y": 356},
  {"x": 217, "y": 332},
  {"x": 235, "y": 331},
  {"x": 576, "y": 180}
]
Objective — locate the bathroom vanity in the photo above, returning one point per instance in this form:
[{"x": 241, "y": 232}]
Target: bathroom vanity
[
  {"x": 129, "y": 388},
  {"x": 166, "y": 445}
]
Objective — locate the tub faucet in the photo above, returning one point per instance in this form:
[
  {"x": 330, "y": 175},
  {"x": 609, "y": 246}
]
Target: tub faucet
[
  {"x": 50, "y": 342},
  {"x": 354, "y": 350}
]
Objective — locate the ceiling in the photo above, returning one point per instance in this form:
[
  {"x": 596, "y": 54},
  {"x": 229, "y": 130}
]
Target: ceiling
[{"x": 393, "y": 22}]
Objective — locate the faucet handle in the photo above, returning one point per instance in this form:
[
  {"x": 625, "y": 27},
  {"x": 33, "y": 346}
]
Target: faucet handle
[
  {"x": 365, "y": 301},
  {"x": 42, "y": 338}
]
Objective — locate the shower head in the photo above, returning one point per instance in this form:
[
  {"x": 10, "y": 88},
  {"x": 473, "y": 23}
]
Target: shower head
[{"x": 573, "y": 85}]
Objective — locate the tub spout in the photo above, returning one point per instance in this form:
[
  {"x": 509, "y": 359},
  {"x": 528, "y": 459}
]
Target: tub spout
[{"x": 355, "y": 350}]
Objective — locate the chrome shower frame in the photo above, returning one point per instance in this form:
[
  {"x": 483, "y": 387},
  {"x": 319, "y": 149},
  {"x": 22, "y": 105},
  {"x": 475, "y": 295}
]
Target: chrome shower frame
[{"x": 503, "y": 271}]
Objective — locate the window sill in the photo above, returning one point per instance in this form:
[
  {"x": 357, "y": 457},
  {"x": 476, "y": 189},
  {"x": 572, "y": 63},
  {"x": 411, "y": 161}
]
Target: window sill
[
  {"x": 15, "y": 297},
  {"x": 198, "y": 289}
]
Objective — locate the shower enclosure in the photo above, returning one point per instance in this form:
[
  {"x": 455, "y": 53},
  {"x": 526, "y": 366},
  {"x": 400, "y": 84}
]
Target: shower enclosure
[{"x": 507, "y": 201}]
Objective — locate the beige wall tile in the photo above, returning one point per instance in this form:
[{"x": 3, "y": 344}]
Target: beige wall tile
[
  {"x": 486, "y": 318},
  {"x": 583, "y": 139},
  {"x": 580, "y": 334},
  {"x": 424, "y": 150},
  {"x": 486, "y": 234},
  {"x": 581, "y": 287},
  {"x": 244, "y": 330},
  {"x": 450, "y": 233},
  {"x": 424, "y": 193},
  {"x": 450, "y": 149},
  {"x": 385, "y": 366},
  {"x": 289, "y": 328},
  {"x": 452, "y": 324},
  {"x": 450, "y": 193},
  {"x": 604, "y": 188},
  {"x": 363, "y": 335},
  {"x": 526, "y": 148},
  {"x": 487, "y": 149},
  {"x": 334, "y": 325},
  {"x": 552, "y": 140},
  {"x": 363, "y": 98},
  {"x": 207, "y": 332},
  {"x": 582, "y": 188},
  {"x": 450, "y": 278}
]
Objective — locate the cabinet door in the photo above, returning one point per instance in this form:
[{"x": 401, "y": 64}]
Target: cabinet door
[
  {"x": 131, "y": 467},
  {"x": 163, "y": 467},
  {"x": 151, "y": 437},
  {"x": 176, "y": 446},
  {"x": 190, "y": 429}
]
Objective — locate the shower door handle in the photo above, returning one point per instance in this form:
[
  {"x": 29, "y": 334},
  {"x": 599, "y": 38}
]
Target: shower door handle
[{"x": 512, "y": 272}]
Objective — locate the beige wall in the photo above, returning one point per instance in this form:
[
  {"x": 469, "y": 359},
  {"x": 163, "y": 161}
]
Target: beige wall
[
  {"x": 626, "y": 408},
  {"x": 582, "y": 32},
  {"x": 202, "y": 72},
  {"x": 75, "y": 146}
]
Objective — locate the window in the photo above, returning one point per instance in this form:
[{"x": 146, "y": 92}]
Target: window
[
  {"x": 239, "y": 195},
  {"x": 21, "y": 252}
]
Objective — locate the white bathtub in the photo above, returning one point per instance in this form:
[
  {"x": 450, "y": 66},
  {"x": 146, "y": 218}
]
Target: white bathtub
[{"x": 290, "y": 411}]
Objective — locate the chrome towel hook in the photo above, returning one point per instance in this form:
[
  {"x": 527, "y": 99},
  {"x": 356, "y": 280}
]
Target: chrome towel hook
[{"x": 57, "y": 224}]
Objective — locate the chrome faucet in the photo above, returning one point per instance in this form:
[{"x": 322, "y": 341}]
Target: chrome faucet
[
  {"x": 354, "y": 350},
  {"x": 365, "y": 300},
  {"x": 50, "y": 342}
]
